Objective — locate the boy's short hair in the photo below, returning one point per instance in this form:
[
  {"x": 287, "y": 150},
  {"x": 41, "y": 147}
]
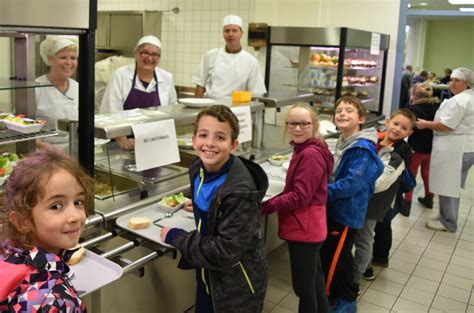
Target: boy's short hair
[
  {"x": 223, "y": 114},
  {"x": 408, "y": 114},
  {"x": 25, "y": 187},
  {"x": 355, "y": 102}
]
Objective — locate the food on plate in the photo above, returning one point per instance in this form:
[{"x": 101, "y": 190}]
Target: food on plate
[
  {"x": 173, "y": 200},
  {"x": 139, "y": 222},
  {"x": 20, "y": 119},
  {"x": 78, "y": 255},
  {"x": 6, "y": 165},
  {"x": 279, "y": 157}
]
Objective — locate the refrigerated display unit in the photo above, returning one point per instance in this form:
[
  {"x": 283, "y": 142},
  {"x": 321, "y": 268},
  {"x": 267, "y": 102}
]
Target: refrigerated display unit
[{"x": 302, "y": 59}]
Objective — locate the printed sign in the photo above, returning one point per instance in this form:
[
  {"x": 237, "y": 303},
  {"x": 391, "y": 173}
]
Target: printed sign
[
  {"x": 155, "y": 144},
  {"x": 245, "y": 123},
  {"x": 375, "y": 44}
]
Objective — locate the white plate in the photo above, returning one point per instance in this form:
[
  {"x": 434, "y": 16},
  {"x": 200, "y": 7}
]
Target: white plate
[
  {"x": 196, "y": 102},
  {"x": 286, "y": 165},
  {"x": 24, "y": 129}
]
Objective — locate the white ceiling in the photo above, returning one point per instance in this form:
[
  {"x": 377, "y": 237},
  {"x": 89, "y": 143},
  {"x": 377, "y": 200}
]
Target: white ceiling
[
  {"x": 437, "y": 9},
  {"x": 442, "y": 5}
]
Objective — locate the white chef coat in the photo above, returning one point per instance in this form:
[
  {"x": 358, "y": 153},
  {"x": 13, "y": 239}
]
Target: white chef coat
[
  {"x": 121, "y": 83},
  {"x": 52, "y": 104},
  {"x": 221, "y": 73},
  {"x": 456, "y": 113}
]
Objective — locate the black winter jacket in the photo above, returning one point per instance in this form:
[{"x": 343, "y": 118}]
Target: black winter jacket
[
  {"x": 395, "y": 160},
  {"x": 422, "y": 139},
  {"x": 233, "y": 252}
]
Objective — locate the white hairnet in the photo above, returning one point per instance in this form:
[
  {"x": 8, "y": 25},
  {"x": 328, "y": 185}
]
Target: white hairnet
[
  {"x": 152, "y": 40},
  {"x": 53, "y": 44},
  {"x": 463, "y": 73},
  {"x": 232, "y": 20}
]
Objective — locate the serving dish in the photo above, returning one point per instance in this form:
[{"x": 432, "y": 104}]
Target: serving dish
[
  {"x": 278, "y": 160},
  {"x": 23, "y": 128}
]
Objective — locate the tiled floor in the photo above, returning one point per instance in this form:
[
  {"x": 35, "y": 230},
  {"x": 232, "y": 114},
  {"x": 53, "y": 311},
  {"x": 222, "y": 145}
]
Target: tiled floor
[{"x": 429, "y": 271}]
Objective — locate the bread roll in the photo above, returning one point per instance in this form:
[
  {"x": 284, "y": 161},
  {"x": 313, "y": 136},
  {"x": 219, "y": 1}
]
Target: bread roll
[
  {"x": 77, "y": 256},
  {"x": 139, "y": 222}
]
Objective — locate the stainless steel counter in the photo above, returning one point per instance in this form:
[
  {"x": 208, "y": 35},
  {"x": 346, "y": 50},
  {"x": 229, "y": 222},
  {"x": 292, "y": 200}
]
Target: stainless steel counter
[
  {"x": 113, "y": 125},
  {"x": 279, "y": 100}
]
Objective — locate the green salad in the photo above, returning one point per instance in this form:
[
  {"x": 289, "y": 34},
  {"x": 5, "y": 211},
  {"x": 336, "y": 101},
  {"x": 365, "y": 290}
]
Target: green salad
[
  {"x": 279, "y": 157},
  {"x": 173, "y": 200}
]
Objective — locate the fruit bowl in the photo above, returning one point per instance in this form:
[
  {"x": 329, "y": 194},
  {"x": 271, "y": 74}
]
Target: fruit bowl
[{"x": 23, "y": 128}]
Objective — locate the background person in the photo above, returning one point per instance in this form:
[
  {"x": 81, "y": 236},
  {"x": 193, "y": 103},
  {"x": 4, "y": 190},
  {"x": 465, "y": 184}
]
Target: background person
[
  {"x": 62, "y": 100},
  {"x": 407, "y": 81},
  {"x": 139, "y": 85},
  {"x": 231, "y": 68},
  {"x": 453, "y": 148},
  {"x": 424, "y": 106},
  {"x": 447, "y": 76}
]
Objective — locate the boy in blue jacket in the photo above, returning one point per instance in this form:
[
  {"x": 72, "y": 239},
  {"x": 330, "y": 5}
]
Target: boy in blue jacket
[{"x": 356, "y": 168}]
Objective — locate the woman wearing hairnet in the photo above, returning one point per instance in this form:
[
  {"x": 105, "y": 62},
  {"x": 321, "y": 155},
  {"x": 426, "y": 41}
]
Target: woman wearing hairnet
[
  {"x": 453, "y": 148},
  {"x": 62, "y": 100},
  {"x": 139, "y": 85}
]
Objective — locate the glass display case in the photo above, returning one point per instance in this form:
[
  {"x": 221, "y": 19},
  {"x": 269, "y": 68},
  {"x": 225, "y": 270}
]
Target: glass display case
[
  {"x": 309, "y": 59},
  {"x": 25, "y": 23}
]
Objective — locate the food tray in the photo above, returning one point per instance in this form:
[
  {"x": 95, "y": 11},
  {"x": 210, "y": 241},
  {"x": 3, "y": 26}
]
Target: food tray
[
  {"x": 24, "y": 129},
  {"x": 94, "y": 272},
  {"x": 196, "y": 102},
  {"x": 180, "y": 219}
]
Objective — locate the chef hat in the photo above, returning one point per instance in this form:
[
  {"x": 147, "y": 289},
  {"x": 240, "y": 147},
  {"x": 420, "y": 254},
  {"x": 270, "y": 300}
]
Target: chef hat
[
  {"x": 232, "y": 20},
  {"x": 53, "y": 44},
  {"x": 463, "y": 73},
  {"x": 152, "y": 40}
]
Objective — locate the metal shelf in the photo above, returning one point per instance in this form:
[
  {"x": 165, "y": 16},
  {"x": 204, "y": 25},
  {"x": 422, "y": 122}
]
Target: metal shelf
[
  {"x": 9, "y": 136},
  {"x": 6, "y": 84}
]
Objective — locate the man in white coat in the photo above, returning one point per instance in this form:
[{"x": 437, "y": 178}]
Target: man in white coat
[
  {"x": 228, "y": 69},
  {"x": 453, "y": 148}
]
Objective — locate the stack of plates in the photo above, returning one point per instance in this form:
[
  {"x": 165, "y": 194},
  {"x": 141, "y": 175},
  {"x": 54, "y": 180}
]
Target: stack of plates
[{"x": 196, "y": 102}]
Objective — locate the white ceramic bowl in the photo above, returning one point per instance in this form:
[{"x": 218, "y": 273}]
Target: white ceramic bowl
[
  {"x": 277, "y": 162},
  {"x": 286, "y": 165}
]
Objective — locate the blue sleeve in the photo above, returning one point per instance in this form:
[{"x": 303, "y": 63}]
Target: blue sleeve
[{"x": 357, "y": 162}]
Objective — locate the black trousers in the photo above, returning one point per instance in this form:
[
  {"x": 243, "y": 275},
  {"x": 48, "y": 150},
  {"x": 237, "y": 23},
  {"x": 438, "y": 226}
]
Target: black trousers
[
  {"x": 338, "y": 262},
  {"x": 308, "y": 277},
  {"x": 382, "y": 241}
]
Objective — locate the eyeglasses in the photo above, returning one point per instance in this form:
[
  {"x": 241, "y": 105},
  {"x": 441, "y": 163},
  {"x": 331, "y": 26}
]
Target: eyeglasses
[
  {"x": 145, "y": 54},
  {"x": 302, "y": 125}
]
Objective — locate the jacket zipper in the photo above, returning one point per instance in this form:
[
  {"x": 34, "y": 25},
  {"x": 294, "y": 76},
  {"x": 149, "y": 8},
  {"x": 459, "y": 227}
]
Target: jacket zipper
[{"x": 246, "y": 277}]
